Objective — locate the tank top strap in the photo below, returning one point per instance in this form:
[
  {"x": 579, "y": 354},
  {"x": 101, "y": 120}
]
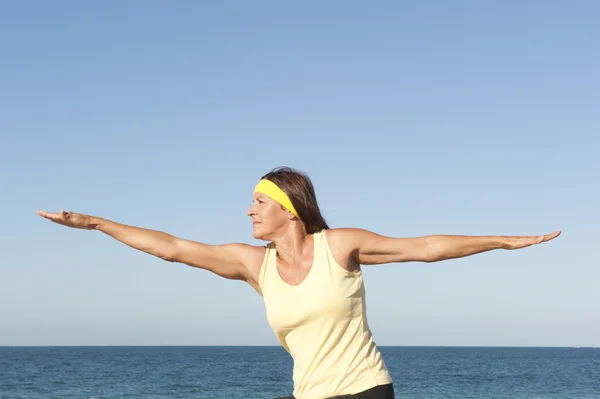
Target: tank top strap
[
  {"x": 266, "y": 265},
  {"x": 323, "y": 250}
]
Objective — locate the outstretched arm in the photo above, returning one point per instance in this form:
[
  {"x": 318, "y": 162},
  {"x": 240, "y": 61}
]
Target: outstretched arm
[
  {"x": 229, "y": 260},
  {"x": 369, "y": 248},
  {"x": 442, "y": 247}
]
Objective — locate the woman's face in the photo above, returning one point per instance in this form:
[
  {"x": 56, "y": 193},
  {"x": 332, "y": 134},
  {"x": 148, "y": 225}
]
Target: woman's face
[{"x": 268, "y": 217}]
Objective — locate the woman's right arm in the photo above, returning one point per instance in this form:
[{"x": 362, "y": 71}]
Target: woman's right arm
[{"x": 234, "y": 261}]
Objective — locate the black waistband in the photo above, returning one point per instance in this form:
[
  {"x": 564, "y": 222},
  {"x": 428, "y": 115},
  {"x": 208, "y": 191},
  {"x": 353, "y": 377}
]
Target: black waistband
[{"x": 379, "y": 392}]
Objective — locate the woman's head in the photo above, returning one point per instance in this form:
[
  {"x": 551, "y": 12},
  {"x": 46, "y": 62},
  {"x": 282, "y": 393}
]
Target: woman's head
[{"x": 287, "y": 196}]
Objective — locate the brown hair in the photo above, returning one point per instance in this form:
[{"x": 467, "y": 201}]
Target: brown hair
[{"x": 299, "y": 188}]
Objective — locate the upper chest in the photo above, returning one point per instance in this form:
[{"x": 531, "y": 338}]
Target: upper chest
[
  {"x": 324, "y": 245},
  {"x": 294, "y": 273}
]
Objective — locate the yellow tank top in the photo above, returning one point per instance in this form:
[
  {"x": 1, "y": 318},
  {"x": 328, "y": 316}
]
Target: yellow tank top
[{"x": 322, "y": 324}]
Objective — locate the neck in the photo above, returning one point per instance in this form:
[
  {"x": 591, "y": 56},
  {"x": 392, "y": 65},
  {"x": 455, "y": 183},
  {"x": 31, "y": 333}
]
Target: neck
[{"x": 293, "y": 243}]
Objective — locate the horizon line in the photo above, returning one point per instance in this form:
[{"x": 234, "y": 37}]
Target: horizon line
[{"x": 278, "y": 346}]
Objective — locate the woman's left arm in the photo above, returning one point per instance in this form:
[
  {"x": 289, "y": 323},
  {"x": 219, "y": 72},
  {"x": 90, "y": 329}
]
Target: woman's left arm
[{"x": 370, "y": 248}]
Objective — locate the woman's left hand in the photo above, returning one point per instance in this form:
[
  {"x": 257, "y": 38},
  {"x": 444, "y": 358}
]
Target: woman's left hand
[{"x": 526, "y": 241}]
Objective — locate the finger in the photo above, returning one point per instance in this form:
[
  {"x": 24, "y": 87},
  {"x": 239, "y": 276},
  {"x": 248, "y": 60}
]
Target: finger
[
  {"x": 549, "y": 237},
  {"x": 55, "y": 217},
  {"x": 46, "y": 214}
]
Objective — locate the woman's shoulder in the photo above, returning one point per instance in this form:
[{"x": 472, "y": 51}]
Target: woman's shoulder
[
  {"x": 343, "y": 235},
  {"x": 342, "y": 244}
]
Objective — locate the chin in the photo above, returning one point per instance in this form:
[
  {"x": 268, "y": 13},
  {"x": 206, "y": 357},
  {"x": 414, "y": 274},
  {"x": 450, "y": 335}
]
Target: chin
[
  {"x": 259, "y": 234},
  {"x": 256, "y": 235}
]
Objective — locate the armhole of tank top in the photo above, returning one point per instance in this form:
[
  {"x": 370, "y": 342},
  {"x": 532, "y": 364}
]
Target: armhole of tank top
[
  {"x": 263, "y": 269},
  {"x": 335, "y": 262}
]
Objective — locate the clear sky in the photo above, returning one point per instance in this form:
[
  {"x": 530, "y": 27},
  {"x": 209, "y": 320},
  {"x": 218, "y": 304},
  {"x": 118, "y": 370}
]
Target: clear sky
[{"x": 412, "y": 118}]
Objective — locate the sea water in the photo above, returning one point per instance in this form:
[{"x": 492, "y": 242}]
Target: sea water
[{"x": 266, "y": 372}]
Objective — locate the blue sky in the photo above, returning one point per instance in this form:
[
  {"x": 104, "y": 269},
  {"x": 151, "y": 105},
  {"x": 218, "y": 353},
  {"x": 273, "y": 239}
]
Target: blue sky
[{"x": 459, "y": 117}]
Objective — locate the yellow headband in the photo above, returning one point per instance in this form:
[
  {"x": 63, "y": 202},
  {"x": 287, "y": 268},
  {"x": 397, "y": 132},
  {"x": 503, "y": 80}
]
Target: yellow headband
[{"x": 271, "y": 189}]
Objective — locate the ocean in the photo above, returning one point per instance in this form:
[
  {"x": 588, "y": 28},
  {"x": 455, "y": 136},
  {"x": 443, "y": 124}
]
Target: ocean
[{"x": 229, "y": 372}]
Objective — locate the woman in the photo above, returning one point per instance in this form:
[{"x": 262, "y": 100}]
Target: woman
[{"x": 310, "y": 278}]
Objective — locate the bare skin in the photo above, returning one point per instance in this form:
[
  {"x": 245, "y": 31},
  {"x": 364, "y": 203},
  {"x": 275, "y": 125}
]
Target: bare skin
[{"x": 350, "y": 247}]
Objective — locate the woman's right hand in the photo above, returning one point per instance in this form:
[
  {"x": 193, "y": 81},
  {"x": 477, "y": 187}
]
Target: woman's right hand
[{"x": 70, "y": 219}]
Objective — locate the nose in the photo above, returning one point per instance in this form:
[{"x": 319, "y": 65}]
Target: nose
[{"x": 251, "y": 211}]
